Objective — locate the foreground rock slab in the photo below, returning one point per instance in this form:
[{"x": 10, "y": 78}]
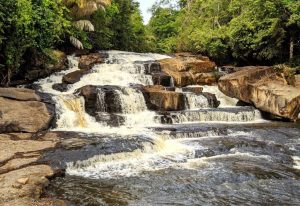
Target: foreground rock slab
[
  {"x": 266, "y": 88},
  {"x": 22, "y": 176},
  {"x": 21, "y": 110}
]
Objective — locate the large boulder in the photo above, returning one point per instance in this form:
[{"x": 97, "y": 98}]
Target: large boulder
[
  {"x": 21, "y": 94},
  {"x": 188, "y": 69},
  {"x": 264, "y": 87},
  {"x": 158, "y": 98},
  {"x": 86, "y": 62},
  {"x": 22, "y": 111},
  {"x": 74, "y": 77}
]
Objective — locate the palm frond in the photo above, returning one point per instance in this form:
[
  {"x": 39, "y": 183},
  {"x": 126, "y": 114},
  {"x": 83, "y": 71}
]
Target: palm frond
[
  {"x": 76, "y": 43},
  {"x": 85, "y": 25}
]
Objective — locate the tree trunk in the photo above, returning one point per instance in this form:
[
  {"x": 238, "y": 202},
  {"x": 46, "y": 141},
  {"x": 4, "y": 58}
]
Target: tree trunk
[{"x": 291, "y": 47}]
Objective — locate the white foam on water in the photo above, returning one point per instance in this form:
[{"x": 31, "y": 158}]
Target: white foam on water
[
  {"x": 194, "y": 101},
  {"x": 224, "y": 100},
  {"x": 296, "y": 160},
  {"x": 120, "y": 70},
  {"x": 210, "y": 161},
  {"x": 159, "y": 155}
]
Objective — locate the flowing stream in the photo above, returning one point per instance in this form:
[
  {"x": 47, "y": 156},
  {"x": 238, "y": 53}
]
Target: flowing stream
[{"x": 199, "y": 156}]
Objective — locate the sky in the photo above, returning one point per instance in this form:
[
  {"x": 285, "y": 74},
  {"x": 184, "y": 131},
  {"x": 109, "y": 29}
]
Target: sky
[{"x": 145, "y": 6}]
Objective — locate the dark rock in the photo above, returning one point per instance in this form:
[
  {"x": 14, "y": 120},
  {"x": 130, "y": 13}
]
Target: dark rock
[
  {"x": 161, "y": 78},
  {"x": 39, "y": 68},
  {"x": 212, "y": 99},
  {"x": 62, "y": 87}
]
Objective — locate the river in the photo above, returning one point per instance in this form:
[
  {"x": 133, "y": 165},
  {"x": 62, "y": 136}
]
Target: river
[{"x": 202, "y": 155}]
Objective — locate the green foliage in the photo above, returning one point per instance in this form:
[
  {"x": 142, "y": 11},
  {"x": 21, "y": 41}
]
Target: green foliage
[
  {"x": 27, "y": 25},
  {"x": 245, "y": 31},
  {"x": 163, "y": 26},
  {"x": 120, "y": 27}
]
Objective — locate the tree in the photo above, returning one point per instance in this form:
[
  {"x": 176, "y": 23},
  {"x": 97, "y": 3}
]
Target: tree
[
  {"x": 80, "y": 11},
  {"x": 164, "y": 27},
  {"x": 120, "y": 27},
  {"x": 25, "y": 25}
]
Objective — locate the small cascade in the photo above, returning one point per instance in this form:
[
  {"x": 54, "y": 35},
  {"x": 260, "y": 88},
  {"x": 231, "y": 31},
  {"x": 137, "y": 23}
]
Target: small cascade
[
  {"x": 71, "y": 112},
  {"x": 245, "y": 114},
  {"x": 195, "y": 101},
  {"x": 158, "y": 154},
  {"x": 224, "y": 100}
]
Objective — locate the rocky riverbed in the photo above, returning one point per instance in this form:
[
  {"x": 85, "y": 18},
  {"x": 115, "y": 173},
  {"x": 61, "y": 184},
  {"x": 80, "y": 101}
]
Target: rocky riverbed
[{"x": 120, "y": 128}]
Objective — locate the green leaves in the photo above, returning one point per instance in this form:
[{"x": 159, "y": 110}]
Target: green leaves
[
  {"x": 120, "y": 27},
  {"x": 246, "y": 31},
  {"x": 27, "y": 25}
]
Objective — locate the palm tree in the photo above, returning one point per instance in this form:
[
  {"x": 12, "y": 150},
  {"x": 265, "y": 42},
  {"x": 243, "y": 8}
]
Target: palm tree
[{"x": 80, "y": 10}]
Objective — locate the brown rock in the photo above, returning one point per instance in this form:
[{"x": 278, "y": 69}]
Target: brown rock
[
  {"x": 9, "y": 148},
  {"x": 9, "y": 191},
  {"x": 196, "y": 90},
  {"x": 157, "y": 98},
  {"x": 188, "y": 69},
  {"x": 86, "y": 62},
  {"x": 181, "y": 79},
  {"x": 19, "y": 94},
  {"x": 205, "y": 78},
  {"x": 73, "y": 77},
  {"x": 265, "y": 88},
  {"x": 23, "y": 181},
  {"x": 23, "y": 116},
  {"x": 161, "y": 78}
]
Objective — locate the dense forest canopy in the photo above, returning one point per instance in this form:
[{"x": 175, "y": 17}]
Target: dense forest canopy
[
  {"x": 250, "y": 31},
  {"x": 228, "y": 31}
]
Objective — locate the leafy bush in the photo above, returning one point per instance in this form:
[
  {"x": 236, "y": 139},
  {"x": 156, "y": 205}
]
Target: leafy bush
[{"x": 28, "y": 25}]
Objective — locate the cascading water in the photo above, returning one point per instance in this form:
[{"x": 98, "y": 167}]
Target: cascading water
[{"x": 193, "y": 154}]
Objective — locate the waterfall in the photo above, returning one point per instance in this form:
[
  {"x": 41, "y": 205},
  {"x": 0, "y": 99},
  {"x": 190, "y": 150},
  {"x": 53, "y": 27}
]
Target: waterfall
[
  {"x": 195, "y": 101},
  {"x": 246, "y": 114},
  {"x": 118, "y": 107},
  {"x": 225, "y": 100}
]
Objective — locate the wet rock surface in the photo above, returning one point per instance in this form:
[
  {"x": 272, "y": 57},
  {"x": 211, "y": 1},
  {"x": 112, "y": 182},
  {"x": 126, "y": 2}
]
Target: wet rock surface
[
  {"x": 108, "y": 148},
  {"x": 265, "y": 88}
]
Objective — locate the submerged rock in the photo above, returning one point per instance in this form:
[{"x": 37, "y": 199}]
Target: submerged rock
[{"x": 265, "y": 88}]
